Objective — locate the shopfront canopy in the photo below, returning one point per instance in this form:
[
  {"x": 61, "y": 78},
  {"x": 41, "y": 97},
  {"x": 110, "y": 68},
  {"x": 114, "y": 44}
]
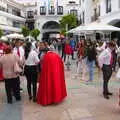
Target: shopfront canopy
[{"x": 94, "y": 27}]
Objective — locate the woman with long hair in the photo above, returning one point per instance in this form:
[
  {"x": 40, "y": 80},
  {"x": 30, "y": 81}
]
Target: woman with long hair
[
  {"x": 31, "y": 62},
  {"x": 82, "y": 51},
  {"x": 67, "y": 51}
]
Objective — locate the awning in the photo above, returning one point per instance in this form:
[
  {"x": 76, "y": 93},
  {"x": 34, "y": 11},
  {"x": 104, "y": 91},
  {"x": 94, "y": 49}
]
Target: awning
[{"x": 10, "y": 28}]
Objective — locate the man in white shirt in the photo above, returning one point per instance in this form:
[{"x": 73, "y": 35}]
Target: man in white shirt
[
  {"x": 105, "y": 63},
  {"x": 19, "y": 50}
]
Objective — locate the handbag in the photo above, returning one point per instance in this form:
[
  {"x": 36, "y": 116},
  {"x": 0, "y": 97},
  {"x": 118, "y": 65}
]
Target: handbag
[
  {"x": 17, "y": 68},
  {"x": 118, "y": 74}
]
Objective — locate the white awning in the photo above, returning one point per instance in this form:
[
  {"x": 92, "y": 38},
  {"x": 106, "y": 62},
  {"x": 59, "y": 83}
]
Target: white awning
[
  {"x": 101, "y": 27},
  {"x": 94, "y": 27},
  {"x": 9, "y": 28}
]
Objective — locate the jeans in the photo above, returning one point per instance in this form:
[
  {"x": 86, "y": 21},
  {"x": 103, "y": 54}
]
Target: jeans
[
  {"x": 91, "y": 69},
  {"x": 82, "y": 68}
]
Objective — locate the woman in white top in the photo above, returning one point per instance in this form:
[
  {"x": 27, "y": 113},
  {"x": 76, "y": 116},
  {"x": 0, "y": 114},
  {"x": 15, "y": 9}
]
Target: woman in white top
[{"x": 31, "y": 63}]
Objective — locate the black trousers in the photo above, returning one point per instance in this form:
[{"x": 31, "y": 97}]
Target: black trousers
[
  {"x": 114, "y": 62},
  {"x": 107, "y": 73},
  {"x": 63, "y": 55},
  {"x": 12, "y": 85},
  {"x": 31, "y": 73},
  {"x": 73, "y": 55}
]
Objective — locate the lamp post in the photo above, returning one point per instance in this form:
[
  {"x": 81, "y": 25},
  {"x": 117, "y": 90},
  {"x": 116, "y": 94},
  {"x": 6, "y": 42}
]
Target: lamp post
[{"x": 66, "y": 29}]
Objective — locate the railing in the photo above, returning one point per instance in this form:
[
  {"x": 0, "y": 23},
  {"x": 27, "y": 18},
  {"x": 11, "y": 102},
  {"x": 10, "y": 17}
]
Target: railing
[
  {"x": 51, "y": 10},
  {"x": 7, "y": 11}
]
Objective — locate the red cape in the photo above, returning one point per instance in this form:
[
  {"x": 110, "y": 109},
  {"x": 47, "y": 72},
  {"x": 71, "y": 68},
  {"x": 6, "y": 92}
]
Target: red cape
[
  {"x": 52, "y": 88},
  {"x": 2, "y": 47}
]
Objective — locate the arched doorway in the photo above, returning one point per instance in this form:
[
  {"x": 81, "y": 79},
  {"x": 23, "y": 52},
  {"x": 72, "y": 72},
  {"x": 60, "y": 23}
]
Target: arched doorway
[{"x": 49, "y": 28}]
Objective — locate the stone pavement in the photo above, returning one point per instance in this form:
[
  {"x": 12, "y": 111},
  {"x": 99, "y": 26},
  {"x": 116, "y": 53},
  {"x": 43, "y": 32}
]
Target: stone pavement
[{"x": 84, "y": 102}]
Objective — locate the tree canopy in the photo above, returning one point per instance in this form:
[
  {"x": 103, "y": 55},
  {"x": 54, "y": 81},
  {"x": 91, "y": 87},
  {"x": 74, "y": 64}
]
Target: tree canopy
[
  {"x": 35, "y": 33},
  {"x": 69, "y": 20},
  {"x": 25, "y": 31},
  {"x": 1, "y": 33}
]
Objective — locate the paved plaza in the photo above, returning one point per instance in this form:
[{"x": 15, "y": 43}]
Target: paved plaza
[{"x": 84, "y": 102}]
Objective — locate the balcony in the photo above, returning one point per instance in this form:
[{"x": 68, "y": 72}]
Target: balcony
[
  {"x": 12, "y": 16},
  {"x": 14, "y": 12},
  {"x": 60, "y": 10},
  {"x": 42, "y": 10},
  {"x": 30, "y": 14},
  {"x": 51, "y": 10},
  {"x": 74, "y": 12}
]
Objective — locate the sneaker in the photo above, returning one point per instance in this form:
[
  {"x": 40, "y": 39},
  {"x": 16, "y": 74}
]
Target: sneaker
[
  {"x": 30, "y": 98},
  {"x": 18, "y": 99},
  {"x": 9, "y": 102},
  {"x": 109, "y": 93},
  {"x": 34, "y": 99},
  {"x": 106, "y": 96},
  {"x": 21, "y": 90}
]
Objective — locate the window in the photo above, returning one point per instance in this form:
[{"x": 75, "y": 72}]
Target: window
[
  {"x": 60, "y": 10},
  {"x": 30, "y": 14},
  {"x": 74, "y": 12},
  {"x": 16, "y": 24},
  {"x": 119, "y": 3},
  {"x": 80, "y": 2},
  {"x": 83, "y": 17},
  {"x": 51, "y": 10},
  {"x": 16, "y": 12},
  {"x": 30, "y": 25},
  {"x": 3, "y": 9},
  {"x": 80, "y": 21},
  {"x": 42, "y": 10},
  {"x": 108, "y": 6},
  {"x": 95, "y": 14},
  {"x": 99, "y": 10}
]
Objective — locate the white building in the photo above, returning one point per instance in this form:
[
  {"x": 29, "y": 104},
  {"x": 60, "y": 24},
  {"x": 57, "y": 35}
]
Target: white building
[
  {"x": 110, "y": 11},
  {"x": 105, "y": 11},
  {"x": 41, "y": 14},
  {"x": 45, "y": 14},
  {"x": 12, "y": 16}
]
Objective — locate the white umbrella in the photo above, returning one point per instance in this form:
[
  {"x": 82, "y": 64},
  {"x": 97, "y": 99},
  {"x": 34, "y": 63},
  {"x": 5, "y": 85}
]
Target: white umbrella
[
  {"x": 98, "y": 27},
  {"x": 4, "y": 38},
  {"x": 15, "y": 36},
  {"x": 75, "y": 30}
]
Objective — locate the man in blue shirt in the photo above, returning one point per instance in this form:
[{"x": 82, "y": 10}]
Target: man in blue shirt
[{"x": 72, "y": 44}]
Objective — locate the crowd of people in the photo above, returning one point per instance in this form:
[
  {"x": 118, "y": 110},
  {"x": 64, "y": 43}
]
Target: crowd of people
[
  {"x": 102, "y": 54},
  {"x": 40, "y": 63}
]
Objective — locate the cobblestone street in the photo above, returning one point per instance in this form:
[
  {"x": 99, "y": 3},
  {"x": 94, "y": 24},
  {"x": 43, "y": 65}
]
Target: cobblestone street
[{"x": 84, "y": 102}]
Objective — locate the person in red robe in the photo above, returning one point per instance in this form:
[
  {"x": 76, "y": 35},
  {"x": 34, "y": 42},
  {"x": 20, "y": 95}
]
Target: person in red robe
[
  {"x": 2, "y": 47},
  {"x": 52, "y": 88},
  {"x": 68, "y": 50}
]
